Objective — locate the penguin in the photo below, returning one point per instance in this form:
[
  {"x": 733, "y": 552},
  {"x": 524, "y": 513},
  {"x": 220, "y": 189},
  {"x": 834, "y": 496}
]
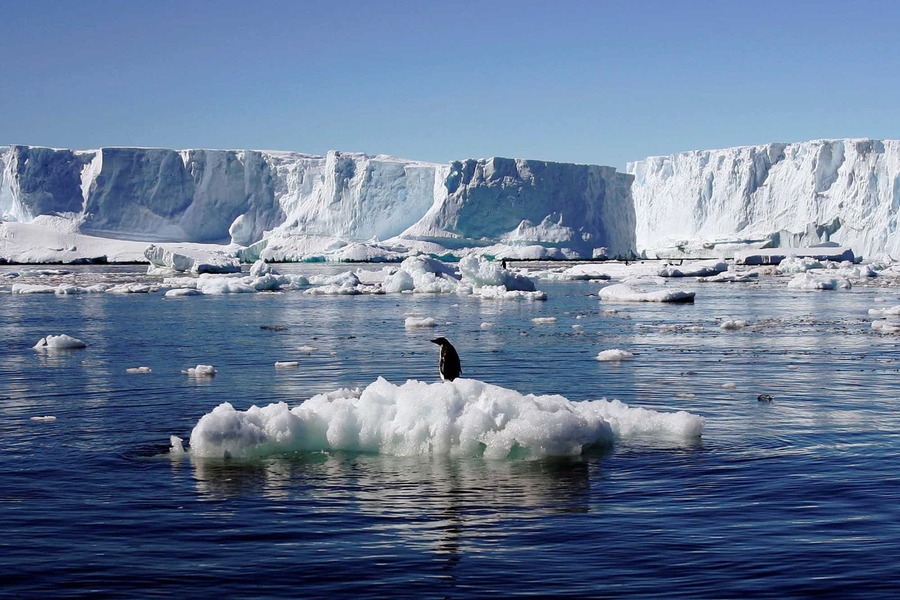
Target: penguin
[{"x": 449, "y": 365}]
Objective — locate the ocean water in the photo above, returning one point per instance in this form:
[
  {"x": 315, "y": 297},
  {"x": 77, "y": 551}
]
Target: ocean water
[{"x": 795, "y": 497}]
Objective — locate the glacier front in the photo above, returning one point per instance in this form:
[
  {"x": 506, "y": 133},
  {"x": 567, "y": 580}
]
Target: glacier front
[
  {"x": 783, "y": 195},
  {"x": 293, "y": 206}
]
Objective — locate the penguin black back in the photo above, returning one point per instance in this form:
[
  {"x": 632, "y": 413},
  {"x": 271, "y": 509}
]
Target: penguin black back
[{"x": 449, "y": 363}]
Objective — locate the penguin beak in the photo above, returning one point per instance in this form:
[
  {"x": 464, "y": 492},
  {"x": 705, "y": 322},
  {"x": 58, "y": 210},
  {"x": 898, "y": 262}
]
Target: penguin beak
[{"x": 435, "y": 342}]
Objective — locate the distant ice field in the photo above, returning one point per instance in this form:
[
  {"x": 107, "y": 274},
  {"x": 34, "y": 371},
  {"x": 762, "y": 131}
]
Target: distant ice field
[{"x": 791, "y": 496}]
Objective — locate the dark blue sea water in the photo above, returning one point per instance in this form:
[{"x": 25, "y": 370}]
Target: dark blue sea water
[{"x": 796, "y": 497}]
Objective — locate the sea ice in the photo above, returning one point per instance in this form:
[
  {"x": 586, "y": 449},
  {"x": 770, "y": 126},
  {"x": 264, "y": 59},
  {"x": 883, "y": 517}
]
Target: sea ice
[
  {"x": 180, "y": 292},
  {"x": 886, "y": 326},
  {"x": 703, "y": 268},
  {"x": 621, "y": 292},
  {"x": 614, "y": 355},
  {"x": 543, "y": 320},
  {"x": 465, "y": 417},
  {"x": 201, "y": 371},
  {"x": 812, "y": 281},
  {"x": 412, "y": 322},
  {"x": 60, "y": 342}
]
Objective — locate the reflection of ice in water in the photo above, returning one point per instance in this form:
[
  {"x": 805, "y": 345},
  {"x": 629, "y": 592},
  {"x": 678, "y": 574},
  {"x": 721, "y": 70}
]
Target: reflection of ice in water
[{"x": 441, "y": 504}]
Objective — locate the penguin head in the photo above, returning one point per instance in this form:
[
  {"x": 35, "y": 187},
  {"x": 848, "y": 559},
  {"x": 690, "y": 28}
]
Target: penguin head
[{"x": 440, "y": 341}]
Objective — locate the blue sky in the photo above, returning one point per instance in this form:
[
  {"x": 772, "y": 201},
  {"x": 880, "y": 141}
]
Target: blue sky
[{"x": 600, "y": 82}]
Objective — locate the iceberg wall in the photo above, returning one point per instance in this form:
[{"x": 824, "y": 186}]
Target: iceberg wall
[
  {"x": 845, "y": 191},
  {"x": 581, "y": 207},
  {"x": 254, "y": 197}
]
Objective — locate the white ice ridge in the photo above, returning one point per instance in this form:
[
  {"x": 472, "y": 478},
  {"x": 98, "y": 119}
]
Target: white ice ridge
[
  {"x": 290, "y": 206},
  {"x": 797, "y": 194},
  {"x": 465, "y": 417}
]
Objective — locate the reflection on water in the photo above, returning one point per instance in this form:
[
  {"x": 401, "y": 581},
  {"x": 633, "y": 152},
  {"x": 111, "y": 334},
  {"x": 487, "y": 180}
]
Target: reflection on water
[{"x": 444, "y": 506}]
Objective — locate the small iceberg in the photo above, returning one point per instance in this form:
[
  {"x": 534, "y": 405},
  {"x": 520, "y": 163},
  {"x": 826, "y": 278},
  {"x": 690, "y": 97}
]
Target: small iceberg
[
  {"x": 463, "y": 418},
  {"x": 621, "y": 292},
  {"x": 201, "y": 371},
  {"x": 59, "y": 342},
  {"x": 613, "y": 355}
]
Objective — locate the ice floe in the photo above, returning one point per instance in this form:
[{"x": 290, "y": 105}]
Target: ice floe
[
  {"x": 412, "y": 322},
  {"x": 703, "y": 268},
  {"x": 465, "y": 417},
  {"x": 200, "y": 371},
  {"x": 613, "y": 355},
  {"x": 59, "y": 342},
  {"x": 813, "y": 281},
  {"x": 621, "y": 292}
]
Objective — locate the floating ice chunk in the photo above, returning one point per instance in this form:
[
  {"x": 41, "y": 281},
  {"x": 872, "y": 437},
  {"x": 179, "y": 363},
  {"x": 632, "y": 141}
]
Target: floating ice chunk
[
  {"x": 810, "y": 281},
  {"x": 732, "y": 325},
  {"x": 464, "y": 417},
  {"x": 130, "y": 288},
  {"x": 307, "y": 349},
  {"x": 201, "y": 371},
  {"x": 216, "y": 285},
  {"x": 486, "y": 325},
  {"x": 703, "y": 268},
  {"x": 399, "y": 281},
  {"x": 797, "y": 264},
  {"x": 621, "y": 292},
  {"x": 176, "y": 445},
  {"x": 31, "y": 288},
  {"x": 412, "y": 322},
  {"x": 886, "y": 326},
  {"x": 499, "y": 292},
  {"x": 60, "y": 342},
  {"x": 138, "y": 370},
  {"x": 286, "y": 364},
  {"x": 193, "y": 260},
  {"x": 477, "y": 272},
  {"x": 585, "y": 272},
  {"x": 543, "y": 320},
  {"x": 180, "y": 292},
  {"x": 884, "y": 312},
  {"x": 731, "y": 277},
  {"x": 45, "y": 418},
  {"x": 729, "y": 386},
  {"x": 260, "y": 268},
  {"x": 614, "y": 355}
]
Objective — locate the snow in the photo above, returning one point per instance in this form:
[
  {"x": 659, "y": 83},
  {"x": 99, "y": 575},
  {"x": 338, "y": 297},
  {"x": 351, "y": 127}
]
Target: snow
[
  {"x": 465, "y": 417},
  {"x": 59, "y": 342},
  {"x": 789, "y": 195}
]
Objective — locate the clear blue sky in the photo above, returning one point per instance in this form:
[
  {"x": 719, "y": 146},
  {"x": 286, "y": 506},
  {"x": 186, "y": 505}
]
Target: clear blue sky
[{"x": 581, "y": 81}]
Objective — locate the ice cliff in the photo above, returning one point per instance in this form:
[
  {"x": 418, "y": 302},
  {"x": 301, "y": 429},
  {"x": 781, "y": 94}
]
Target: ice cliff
[
  {"x": 845, "y": 191},
  {"x": 268, "y": 200}
]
